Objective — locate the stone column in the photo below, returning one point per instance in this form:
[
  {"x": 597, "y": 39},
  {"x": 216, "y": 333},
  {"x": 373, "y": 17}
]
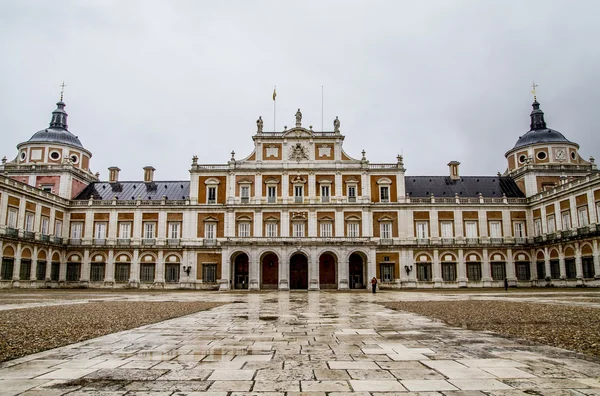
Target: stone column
[
  {"x": 159, "y": 276},
  {"x": 285, "y": 187},
  {"x": 343, "y": 269},
  {"x": 596, "y": 259},
  {"x": 284, "y": 270},
  {"x": 84, "y": 277},
  {"x": 561, "y": 263},
  {"x": 372, "y": 267},
  {"x": 486, "y": 274},
  {"x": 258, "y": 188},
  {"x": 510, "y": 266},
  {"x": 110, "y": 268},
  {"x": 135, "y": 269},
  {"x": 285, "y": 224},
  {"x": 547, "y": 262},
  {"x": 437, "y": 269},
  {"x": 258, "y": 221},
  {"x": 313, "y": 269},
  {"x": 17, "y": 266},
  {"x": 461, "y": 270},
  {"x": 253, "y": 270},
  {"x": 224, "y": 282},
  {"x": 34, "y": 256},
  {"x": 578, "y": 264}
]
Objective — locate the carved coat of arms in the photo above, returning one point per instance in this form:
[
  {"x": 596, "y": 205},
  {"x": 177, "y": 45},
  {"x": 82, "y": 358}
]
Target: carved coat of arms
[{"x": 298, "y": 152}]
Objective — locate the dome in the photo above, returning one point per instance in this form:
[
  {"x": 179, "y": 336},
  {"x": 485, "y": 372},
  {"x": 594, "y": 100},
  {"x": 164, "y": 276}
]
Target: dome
[
  {"x": 57, "y": 136},
  {"x": 541, "y": 136}
]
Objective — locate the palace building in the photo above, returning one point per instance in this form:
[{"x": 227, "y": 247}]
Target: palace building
[{"x": 299, "y": 213}]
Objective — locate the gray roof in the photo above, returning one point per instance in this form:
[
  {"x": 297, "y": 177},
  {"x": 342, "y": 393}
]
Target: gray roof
[
  {"x": 541, "y": 136},
  {"x": 465, "y": 187},
  {"x": 132, "y": 190},
  {"x": 55, "y": 135}
]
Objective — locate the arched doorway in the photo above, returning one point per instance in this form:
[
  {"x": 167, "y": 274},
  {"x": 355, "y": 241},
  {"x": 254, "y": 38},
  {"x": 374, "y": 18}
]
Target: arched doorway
[
  {"x": 327, "y": 271},
  {"x": 356, "y": 270},
  {"x": 240, "y": 271},
  {"x": 270, "y": 271},
  {"x": 299, "y": 272}
]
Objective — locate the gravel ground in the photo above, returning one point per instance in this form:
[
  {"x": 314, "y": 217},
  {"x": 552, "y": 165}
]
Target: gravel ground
[
  {"x": 569, "y": 327},
  {"x": 31, "y": 330}
]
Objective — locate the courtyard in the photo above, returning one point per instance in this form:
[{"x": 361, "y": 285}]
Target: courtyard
[{"x": 447, "y": 342}]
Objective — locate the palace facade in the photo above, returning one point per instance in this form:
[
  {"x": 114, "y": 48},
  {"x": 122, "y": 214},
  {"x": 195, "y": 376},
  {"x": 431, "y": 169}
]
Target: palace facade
[{"x": 299, "y": 213}]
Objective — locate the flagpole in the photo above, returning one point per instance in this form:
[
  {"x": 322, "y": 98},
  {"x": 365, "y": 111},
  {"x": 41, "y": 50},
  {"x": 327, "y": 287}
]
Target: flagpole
[
  {"x": 322, "y": 109},
  {"x": 274, "y": 107}
]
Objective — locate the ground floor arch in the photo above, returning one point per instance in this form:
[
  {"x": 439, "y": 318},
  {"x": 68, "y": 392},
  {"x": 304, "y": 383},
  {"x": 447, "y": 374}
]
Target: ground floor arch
[
  {"x": 241, "y": 270},
  {"x": 328, "y": 271},
  {"x": 298, "y": 272},
  {"x": 357, "y": 271},
  {"x": 269, "y": 271}
]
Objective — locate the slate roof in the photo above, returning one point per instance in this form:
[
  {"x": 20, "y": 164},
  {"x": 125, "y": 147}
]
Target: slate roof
[
  {"x": 131, "y": 190},
  {"x": 466, "y": 187},
  {"x": 55, "y": 135},
  {"x": 541, "y": 136}
]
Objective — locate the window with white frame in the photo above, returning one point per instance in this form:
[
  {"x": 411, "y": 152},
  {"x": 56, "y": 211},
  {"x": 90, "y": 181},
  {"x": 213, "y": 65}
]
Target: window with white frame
[
  {"x": 209, "y": 273},
  {"x": 385, "y": 230},
  {"x": 598, "y": 212},
  {"x": 495, "y": 229},
  {"x": 174, "y": 228},
  {"x": 566, "y": 220},
  {"x": 447, "y": 229},
  {"x": 298, "y": 229},
  {"x": 582, "y": 214},
  {"x": 29, "y": 221},
  {"x": 384, "y": 193},
  {"x": 100, "y": 230},
  {"x": 353, "y": 230},
  {"x": 351, "y": 193},
  {"x": 45, "y": 225},
  {"x": 537, "y": 224},
  {"x": 422, "y": 229},
  {"x": 211, "y": 194},
  {"x": 326, "y": 229},
  {"x": 58, "y": 228},
  {"x": 245, "y": 193},
  {"x": 210, "y": 230},
  {"x": 271, "y": 230},
  {"x": 551, "y": 224},
  {"x": 76, "y": 229},
  {"x": 325, "y": 193},
  {"x": 471, "y": 229},
  {"x": 125, "y": 230},
  {"x": 298, "y": 193},
  {"x": 271, "y": 194},
  {"x": 387, "y": 272},
  {"x": 149, "y": 230},
  {"x": 519, "y": 229},
  {"x": 13, "y": 214},
  {"x": 244, "y": 229}
]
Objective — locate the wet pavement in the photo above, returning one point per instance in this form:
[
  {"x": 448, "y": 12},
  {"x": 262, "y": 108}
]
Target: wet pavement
[{"x": 300, "y": 343}]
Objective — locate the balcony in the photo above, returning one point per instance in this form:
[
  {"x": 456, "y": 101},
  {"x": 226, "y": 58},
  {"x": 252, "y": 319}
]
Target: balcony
[
  {"x": 99, "y": 241},
  {"x": 45, "y": 238},
  {"x": 12, "y": 232},
  {"x": 245, "y": 200},
  {"x": 123, "y": 241},
  {"x": 149, "y": 241},
  {"x": 28, "y": 235},
  {"x": 351, "y": 199},
  {"x": 271, "y": 199},
  {"x": 551, "y": 236},
  {"x": 386, "y": 241},
  {"x": 422, "y": 241},
  {"x": 496, "y": 241},
  {"x": 210, "y": 242},
  {"x": 173, "y": 242},
  {"x": 585, "y": 230},
  {"x": 211, "y": 201},
  {"x": 472, "y": 241},
  {"x": 57, "y": 240},
  {"x": 75, "y": 241},
  {"x": 447, "y": 241},
  {"x": 538, "y": 239},
  {"x": 325, "y": 199},
  {"x": 298, "y": 199},
  {"x": 568, "y": 233},
  {"x": 520, "y": 241}
]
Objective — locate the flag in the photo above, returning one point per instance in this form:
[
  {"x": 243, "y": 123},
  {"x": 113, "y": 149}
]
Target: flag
[{"x": 274, "y": 93}]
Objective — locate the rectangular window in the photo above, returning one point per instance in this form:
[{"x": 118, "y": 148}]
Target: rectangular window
[
  {"x": 519, "y": 229},
  {"x": 12, "y": 218},
  {"x": 29, "y": 217},
  {"x": 245, "y": 194},
  {"x": 298, "y": 230},
  {"x": 122, "y": 272},
  {"x": 272, "y": 194},
  {"x": 125, "y": 230},
  {"x": 6, "y": 273},
  {"x": 25, "y": 270},
  {"x": 40, "y": 270},
  {"x": 174, "y": 230},
  {"x": 424, "y": 272},
  {"x": 449, "y": 272},
  {"x": 386, "y": 230},
  {"x": 45, "y": 225},
  {"x": 54, "y": 271},
  {"x": 271, "y": 230},
  {"x": 422, "y": 230},
  {"x": 587, "y": 264},
  {"x": 446, "y": 228},
  {"x": 474, "y": 271},
  {"x": 554, "y": 269},
  {"x": 523, "y": 271},
  {"x": 149, "y": 230},
  {"x": 326, "y": 230},
  {"x": 566, "y": 220},
  {"x": 298, "y": 194},
  {"x": 384, "y": 194},
  {"x": 353, "y": 230},
  {"x": 76, "y": 229},
  {"x": 209, "y": 230},
  {"x": 598, "y": 212},
  {"x": 471, "y": 229},
  {"x": 495, "y": 229},
  {"x": 537, "y": 224},
  {"x": 58, "y": 228},
  {"x": 172, "y": 273},
  {"x": 73, "y": 272},
  {"x": 351, "y": 193},
  {"x": 324, "y": 193},
  {"x": 570, "y": 268},
  {"x": 100, "y": 230},
  {"x": 244, "y": 230},
  {"x": 209, "y": 273},
  {"x": 582, "y": 215},
  {"x": 387, "y": 272},
  {"x": 551, "y": 224},
  {"x": 498, "y": 271},
  {"x": 211, "y": 195},
  {"x": 147, "y": 273},
  {"x": 97, "y": 272},
  {"x": 541, "y": 269}
]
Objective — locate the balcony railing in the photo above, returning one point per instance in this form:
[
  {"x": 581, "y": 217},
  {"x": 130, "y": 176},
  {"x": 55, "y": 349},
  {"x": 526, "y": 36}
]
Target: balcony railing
[
  {"x": 75, "y": 241},
  {"x": 351, "y": 199},
  {"x": 472, "y": 241},
  {"x": 28, "y": 235},
  {"x": 45, "y": 238},
  {"x": 123, "y": 241},
  {"x": 57, "y": 240},
  {"x": 173, "y": 242},
  {"x": 496, "y": 241},
  {"x": 99, "y": 241},
  {"x": 271, "y": 199},
  {"x": 422, "y": 241},
  {"x": 447, "y": 241},
  {"x": 324, "y": 199},
  {"x": 386, "y": 241},
  {"x": 538, "y": 239},
  {"x": 298, "y": 199},
  {"x": 568, "y": 233},
  {"x": 520, "y": 240},
  {"x": 210, "y": 242},
  {"x": 245, "y": 200},
  {"x": 211, "y": 201},
  {"x": 12, "y": 232},
  {"x": 149, "y": 241}
]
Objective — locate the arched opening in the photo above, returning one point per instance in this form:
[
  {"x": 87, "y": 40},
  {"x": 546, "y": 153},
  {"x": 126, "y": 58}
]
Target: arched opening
[
  {"x": 587, "y": 262},
  {"x": 240, "y": 271},
  {"x": 540, "y": 263},
  {"x": 299, "y": 272},
  {"x": 522, "y": 267},
  {"x": 554, "y": 264},
  {"x": 270, "y": 271},
  {"x": 8, "y": 263},
  {"x": 356, "y": 270},
  {"x": 570, "y": 269},
  {"x": 327, "y": 271}
]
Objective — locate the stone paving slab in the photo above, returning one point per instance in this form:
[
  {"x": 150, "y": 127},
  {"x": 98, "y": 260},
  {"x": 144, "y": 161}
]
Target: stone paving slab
[{"x": 301, "y": 344}]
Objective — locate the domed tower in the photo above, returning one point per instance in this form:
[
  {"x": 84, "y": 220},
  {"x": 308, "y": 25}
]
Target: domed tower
[
  {"x": 543, "y": 157},
  {"x": 53, "y": 159}
]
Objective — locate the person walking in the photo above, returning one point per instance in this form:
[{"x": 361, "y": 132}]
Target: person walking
[
  {"x": 374, "y": 285},
  {"x": 506, "y": 284}
]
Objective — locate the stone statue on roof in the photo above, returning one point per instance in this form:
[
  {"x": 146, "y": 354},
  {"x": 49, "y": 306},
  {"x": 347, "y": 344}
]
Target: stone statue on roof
[
  {"x": 298, "y": 118},
  {"x": 259, "y": 124},
  {"x": 336, "y": 124}
]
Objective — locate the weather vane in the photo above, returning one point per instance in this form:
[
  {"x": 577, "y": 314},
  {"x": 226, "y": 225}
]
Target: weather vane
[
  {"x": 62, "y": 90},
  {"x": 533, "y": 91}
]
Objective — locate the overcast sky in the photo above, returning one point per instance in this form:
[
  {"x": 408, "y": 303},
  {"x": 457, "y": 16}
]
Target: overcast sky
[{"x": 155, "y": 82}]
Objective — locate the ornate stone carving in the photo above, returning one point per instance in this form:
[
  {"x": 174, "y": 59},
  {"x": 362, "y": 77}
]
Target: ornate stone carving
[
  {"x": 259, "y": 125},
  {"x": 272, "y": 151},
  {"x": 324, "y": 151},
  {"x": 298, "y": 153},
  {"x": 336, "y": 124}
]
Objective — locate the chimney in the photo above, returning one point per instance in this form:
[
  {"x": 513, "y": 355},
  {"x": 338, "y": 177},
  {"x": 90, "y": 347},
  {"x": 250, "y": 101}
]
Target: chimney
[
  {"x": 148, "y": 174},
  {"x": 113, "y": 174},
  {"x": 453, "y": 165}
]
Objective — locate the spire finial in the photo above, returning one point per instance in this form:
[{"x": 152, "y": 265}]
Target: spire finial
[
  {"x": 533, "y": 91},
  {"x": 62, "y": 90}
]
